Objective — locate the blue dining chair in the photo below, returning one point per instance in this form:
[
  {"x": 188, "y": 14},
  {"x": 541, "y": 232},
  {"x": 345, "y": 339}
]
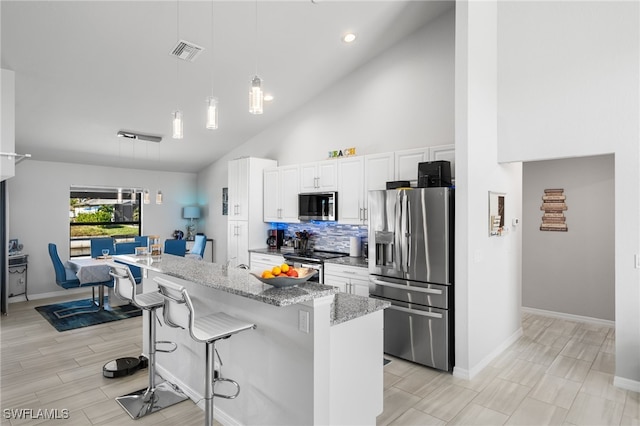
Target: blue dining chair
[
  {"x": 175, "y": 247},
  {"x": 130, "y": 248},
  {"x": 66, "y": 278},
  {"x": 142, "y": 240},
  {"x": 97, "y": 244},
  {"x": 199, "y": 245}
]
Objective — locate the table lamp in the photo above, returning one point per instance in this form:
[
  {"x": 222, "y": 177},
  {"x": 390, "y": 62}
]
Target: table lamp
[{"x": 192, "y": 212}]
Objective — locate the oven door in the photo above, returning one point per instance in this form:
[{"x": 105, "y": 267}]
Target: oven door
[{"x": 317, "y": 278}]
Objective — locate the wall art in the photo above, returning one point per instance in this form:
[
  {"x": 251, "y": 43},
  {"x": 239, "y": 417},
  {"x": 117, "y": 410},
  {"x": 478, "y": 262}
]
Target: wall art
[{"x": 554, "y": 205}]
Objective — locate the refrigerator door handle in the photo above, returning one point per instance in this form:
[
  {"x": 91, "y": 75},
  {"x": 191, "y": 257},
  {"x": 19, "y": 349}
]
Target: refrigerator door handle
[
  {"x": 415, "y": 312},
  {"x": 404, "y": 287}
]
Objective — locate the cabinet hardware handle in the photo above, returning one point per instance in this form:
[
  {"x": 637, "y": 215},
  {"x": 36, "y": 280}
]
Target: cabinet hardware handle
[
  {"x": 405, "y": 287},
  {"x": 416, "y": 312}
]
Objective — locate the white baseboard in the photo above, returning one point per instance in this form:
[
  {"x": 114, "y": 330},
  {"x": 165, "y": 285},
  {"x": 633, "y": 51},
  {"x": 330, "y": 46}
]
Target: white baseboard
[
  {"x": 628, "y": 384},
  {"x": 476, "y": 369},
  {"x": 569, "y": 317}
]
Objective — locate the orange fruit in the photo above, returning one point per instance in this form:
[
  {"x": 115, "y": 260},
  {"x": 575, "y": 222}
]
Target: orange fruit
[
  {"x": 276, "y": 271},
  {"x": 267, "y": 274},
  {"x": 284, "y": 267}
]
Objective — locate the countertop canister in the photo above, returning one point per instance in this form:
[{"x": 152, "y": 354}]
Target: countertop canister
[{"x": 355, "y": 247}]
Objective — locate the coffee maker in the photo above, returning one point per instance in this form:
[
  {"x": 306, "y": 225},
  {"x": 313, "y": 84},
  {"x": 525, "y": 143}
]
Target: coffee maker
[{"x": 275, "y": 238}]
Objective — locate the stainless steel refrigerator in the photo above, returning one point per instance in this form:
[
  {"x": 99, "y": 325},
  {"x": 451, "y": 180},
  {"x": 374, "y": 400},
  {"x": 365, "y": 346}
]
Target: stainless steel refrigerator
[{"x": 411, "y": 266}]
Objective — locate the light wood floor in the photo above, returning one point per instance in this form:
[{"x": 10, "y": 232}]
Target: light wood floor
[{"x": 559, "y": 372}]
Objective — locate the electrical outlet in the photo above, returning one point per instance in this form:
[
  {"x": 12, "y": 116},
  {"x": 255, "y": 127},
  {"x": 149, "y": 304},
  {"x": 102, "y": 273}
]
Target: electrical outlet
[{"x": 303, "y": 321}]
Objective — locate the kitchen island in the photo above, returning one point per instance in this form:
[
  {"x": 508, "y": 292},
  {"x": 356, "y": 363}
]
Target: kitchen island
[{"x": 315, "y": 357}]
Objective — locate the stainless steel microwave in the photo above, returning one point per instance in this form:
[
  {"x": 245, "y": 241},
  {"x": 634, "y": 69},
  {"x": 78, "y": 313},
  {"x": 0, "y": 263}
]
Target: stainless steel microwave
[{"x": 318, "y": 206}]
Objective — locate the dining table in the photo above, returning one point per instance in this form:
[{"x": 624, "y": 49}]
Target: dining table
[{"x": 96, "y": 270}]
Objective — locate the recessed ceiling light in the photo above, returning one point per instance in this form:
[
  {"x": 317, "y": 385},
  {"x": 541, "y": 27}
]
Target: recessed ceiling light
[
  {"x": 268, "y": 97},
  {"x": 349, "y": 37}
]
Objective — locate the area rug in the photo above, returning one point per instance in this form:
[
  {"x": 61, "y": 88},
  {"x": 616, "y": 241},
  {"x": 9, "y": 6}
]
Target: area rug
[{"x": 85, "y": 320}]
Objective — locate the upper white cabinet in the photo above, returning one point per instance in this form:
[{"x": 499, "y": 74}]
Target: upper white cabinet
[
  {"x": 246, "y": 228},
  {"x": 281, "y": 194},
  {"x": 319, "y": 176},
  {"x": 351, "y": 202},
  {"x": 445, "y": 153},
  {"x": 356, "y": 177},
  {"x": 239, "y": 189},
  {"x": 407, "y": 163},
  {"x": 8, "y": 120}
]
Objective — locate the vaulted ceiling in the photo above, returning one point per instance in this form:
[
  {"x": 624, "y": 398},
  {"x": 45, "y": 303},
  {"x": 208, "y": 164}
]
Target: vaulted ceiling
[{"x": 87, "y": 69}]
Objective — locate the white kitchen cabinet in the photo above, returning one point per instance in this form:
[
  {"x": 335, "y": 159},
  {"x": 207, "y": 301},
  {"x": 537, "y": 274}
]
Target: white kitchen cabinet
[
  {"x": 349, "y": 279},
  {"x": 260, "y": 261},
  {"x": 281, "y": 194},
  {"x": 351, "y": 202},
  {"x": 8, "y": 120},
  {"x": 406, "y": 167},
  {"x": 446, "y": 153},
  {"x": 246, "y": 227},
  {"x": 320, "y": 176},
  {"x": 238, "y": 191},
  {"x": 356, "y": 177},
  {"x": 238, "y": 242}
]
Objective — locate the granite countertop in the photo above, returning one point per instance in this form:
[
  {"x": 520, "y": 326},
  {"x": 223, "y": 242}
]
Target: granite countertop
[
  {"x": 360, "y": 262},
  {"x": 236, "y": 281},
  {"x": 350, "y": 306}
]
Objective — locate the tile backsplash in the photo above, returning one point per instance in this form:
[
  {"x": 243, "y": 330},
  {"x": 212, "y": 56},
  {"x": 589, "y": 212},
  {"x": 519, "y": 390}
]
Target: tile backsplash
[{"x": 328, "y": 236}]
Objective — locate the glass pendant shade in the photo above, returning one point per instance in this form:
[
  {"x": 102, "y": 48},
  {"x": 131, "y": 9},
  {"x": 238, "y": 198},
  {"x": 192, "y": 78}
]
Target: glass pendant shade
[
  {"x": 119, "y": 199},
  {"x": 177, "y": 125},
  {"x": 146, "y": 197},
  {"x": 212, "y": 113},
  {"x": 133, "y": 196},
  {"x": 256, "y": 96},
  {"x": 159, "y": 197}
]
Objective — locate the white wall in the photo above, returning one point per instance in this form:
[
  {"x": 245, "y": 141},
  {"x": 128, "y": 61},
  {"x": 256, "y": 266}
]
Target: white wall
[
  {"x": 488, "y": 269},
  {"x": 570, "y": 272},
  {"x": 39, "y": 208},
  {"x": 569, "y": 87},
  {"x": 401, "y": 99}
]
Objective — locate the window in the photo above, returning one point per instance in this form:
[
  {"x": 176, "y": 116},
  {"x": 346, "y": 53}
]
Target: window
[{"x": 102, "y": 212}]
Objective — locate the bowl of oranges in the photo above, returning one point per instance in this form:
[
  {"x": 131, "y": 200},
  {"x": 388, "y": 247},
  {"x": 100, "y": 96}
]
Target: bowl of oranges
[{"x": 285, "y": 275}]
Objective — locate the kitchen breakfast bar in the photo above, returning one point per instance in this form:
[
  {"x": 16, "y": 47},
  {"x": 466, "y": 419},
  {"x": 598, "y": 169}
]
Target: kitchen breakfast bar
[{"x": 316, "y": 356}]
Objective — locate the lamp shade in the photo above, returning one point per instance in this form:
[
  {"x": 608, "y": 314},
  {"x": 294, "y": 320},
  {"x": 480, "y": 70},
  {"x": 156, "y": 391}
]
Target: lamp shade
[{"x": 192, "y": 212}]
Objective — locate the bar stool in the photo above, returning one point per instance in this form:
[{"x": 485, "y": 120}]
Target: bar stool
[
  {"x": 179, "y": 312},
  {"x": 155, "y": 397}
]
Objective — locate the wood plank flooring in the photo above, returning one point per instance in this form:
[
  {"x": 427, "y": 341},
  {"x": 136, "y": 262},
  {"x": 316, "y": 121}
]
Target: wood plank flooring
[{"x": 559, "y": 372}]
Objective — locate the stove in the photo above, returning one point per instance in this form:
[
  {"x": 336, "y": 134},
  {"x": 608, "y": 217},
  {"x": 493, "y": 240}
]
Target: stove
[
  {"x": 312, "y": 259},
  {"x": 313, "y": 256}
]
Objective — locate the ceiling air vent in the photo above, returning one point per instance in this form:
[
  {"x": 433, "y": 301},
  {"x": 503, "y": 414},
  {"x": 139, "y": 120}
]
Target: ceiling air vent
[{"x": 186, "y": 51}]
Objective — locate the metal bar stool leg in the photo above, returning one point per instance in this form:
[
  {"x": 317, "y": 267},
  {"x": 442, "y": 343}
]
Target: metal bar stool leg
[
  {"x": 154, "y": 398},
  {"x": 208, "y": 385}
]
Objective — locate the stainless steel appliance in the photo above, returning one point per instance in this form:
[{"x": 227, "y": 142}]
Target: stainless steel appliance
[
  {"x": 411, "y": 266},
  {"x": 311, "y": 259},
  {"x": 318, "y": 206}
]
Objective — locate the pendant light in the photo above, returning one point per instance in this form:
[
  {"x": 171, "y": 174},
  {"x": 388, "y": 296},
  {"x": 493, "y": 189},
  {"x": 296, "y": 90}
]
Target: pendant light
[
  {"x": 212, "y": 101},
  {"x": 133, "y": 196},
  {"x": 159, "y": 197},
  {"x": 119, "y": 199},
  {"x": 256, "y": 95},
  {"x": 177, "y": 114},
  {"x": 146, "y": 197}
]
